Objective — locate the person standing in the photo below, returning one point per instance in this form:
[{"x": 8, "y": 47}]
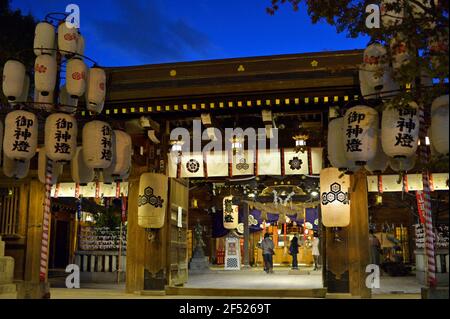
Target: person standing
[
  {"x": 267, "y": 247},
  {"x": 315, "y": 250},
  {"x": 293, "y": 250},
  {"x": 375, "y": 248}
]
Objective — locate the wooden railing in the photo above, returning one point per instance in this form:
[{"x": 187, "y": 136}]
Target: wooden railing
[{"x": 100, "y": 261}]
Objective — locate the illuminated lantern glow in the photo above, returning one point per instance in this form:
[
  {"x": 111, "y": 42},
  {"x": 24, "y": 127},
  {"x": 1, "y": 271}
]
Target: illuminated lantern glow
[
  {"x": 44, "y": 38},
  {"x": 81, "y": 173},
  {"x": 360, "y": 134},
  {"x": 76, "y": 75},
  {"x": 439, "y": 124},
  {"x": 400, "y": 130},
  {"x": 380, "y": 162},
  {"x": 95, "y": 93},
  {"x": 15, "y": 169},
  {"x": 67, "y": 39},
  {"x": 152, "y": 200},
  {"x": 97, "y": 144},
  {"x": 336, "y": 144},
  {"x": 61, "y": 137},
  {"x": 230, "y": 213},
  {"x": 21, "y": 135},
  {"x": 13, "y": 79},
  {"x": 402, "y": 164},
  {"x": 334, "y": 203},
  {"x": 45, "y": 68},
  {"x": 391, "y": 17},
  {"x": 57, "y": 168}
]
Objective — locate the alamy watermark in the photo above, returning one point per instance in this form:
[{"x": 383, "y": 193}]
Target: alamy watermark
[
  {"x": 232, "y": 140},
  {"x": 73, "y": 17}
]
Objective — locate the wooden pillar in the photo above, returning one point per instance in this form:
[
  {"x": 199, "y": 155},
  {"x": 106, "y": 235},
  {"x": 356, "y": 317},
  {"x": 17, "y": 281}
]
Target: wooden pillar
[
  {"x": 358, "y": 240},
  {"x": 246, "y": 261},
  {"x": 135, "y": 241},
  {"x": 36, "y": 197},
  {"x": 337, "y": 263}
]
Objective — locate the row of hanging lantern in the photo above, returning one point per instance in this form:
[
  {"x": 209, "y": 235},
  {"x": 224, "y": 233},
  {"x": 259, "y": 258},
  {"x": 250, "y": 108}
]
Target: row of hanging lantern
[
  {"x": 361, "y": 139},
  {"x": 79, "y": 80},
  {"x": 103, "y": 149}
]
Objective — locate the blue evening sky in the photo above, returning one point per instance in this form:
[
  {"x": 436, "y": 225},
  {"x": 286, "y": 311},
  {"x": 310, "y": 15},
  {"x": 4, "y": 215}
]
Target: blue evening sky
[{"x": 120, "y": 33}]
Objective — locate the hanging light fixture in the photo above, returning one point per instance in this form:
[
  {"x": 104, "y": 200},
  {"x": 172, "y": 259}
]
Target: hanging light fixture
[
  {"x": 237, "y": 144},
  {"x": 300, "y": 139}
]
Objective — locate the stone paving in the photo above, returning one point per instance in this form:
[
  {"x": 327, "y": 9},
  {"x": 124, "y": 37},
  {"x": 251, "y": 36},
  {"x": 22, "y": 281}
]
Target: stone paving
[{"x": 282, "y": 278}]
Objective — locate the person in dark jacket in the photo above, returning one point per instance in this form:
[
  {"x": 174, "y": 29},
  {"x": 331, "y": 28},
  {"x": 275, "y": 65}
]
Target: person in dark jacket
[
  {"x": 293, "y": 250},
  {"x": 267, "y": 247}
]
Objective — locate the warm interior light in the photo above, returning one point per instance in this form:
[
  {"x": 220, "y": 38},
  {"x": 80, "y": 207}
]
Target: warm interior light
[
  {"x": 300, "y": 143},
  {"x": 314, "y": 193}
]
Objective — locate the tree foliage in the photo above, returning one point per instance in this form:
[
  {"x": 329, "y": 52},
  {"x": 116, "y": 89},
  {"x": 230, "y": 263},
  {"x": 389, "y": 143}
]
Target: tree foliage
[{"x": 350, "y": 16}]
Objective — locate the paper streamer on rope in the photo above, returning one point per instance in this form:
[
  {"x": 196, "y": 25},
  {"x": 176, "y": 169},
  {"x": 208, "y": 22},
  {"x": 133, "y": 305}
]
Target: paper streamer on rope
[
  {"x": 77, "y": 190},
  {"x": 420, "y": 206},
  {"x": 46, "y": 223},
  {"x": 380, "y": 184},
  {"x": 124, "y": 209},
  {"x": 429, "y": 235}
]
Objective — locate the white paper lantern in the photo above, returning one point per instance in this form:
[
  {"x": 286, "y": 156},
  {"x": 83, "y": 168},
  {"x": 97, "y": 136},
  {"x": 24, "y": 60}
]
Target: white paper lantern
[
  {"x": 67, "y": 103},
  {"x": 401, "y": 53},
  {"x": 121, "y": 154},
  {"x": 45, "y": 69},
  {"x": 403, "y": 164},
  {"x": 42, "y": 102},
  {"x": 76, "y": 75},
  {"x": 81, "y": 173},
  {"x": 61, "y": 137},
  {"x": 230, "y": 213},
  {"x": 390, "y": 88},
  {"x": 360, "y": 134},
  {"x": 370, "y": 83},
  {"x": 15, "y": 169},
  {"x": 375, "y": 57},
  {"x": 336, "y": 144},
  {"x": 21, "y": 135},
  {"x": 380, "y": 162},
  {"x": 400, "y": 130},
  {"x": 67, "y": 39},
  {"x": 13, "y": 79},
  {"x": 95, "y": 93},
  {"x": 26, "y": 89},
  {"x": 44, "y": 38},
  {"x": 439, "y": 124},
  {"x": 97, "y": 144},
  {"x": 80, "y": 45},
  {"x": 56, "y": 169},
  {"x": 433, "y": 151},
  {"x": 1, "y": 136},
  {"x": 391, "y": 17},
  {"x": 152, "y": 200},
  {"x": 334, "y": 204}
]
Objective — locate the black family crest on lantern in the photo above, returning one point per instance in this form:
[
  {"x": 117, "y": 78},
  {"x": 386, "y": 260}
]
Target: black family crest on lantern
[
  {"x": 150, "y": 198},
  {"x": 242, "y": 165},
  {"x": 295, "y": 163},
  {"x": 192, "y": 166},
  {"x": 334, "y": 194},
  {"x": 228, "y": 211}
]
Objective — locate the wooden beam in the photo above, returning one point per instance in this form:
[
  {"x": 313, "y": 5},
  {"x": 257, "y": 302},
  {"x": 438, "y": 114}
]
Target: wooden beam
[{"x": 358, "y": 240}]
